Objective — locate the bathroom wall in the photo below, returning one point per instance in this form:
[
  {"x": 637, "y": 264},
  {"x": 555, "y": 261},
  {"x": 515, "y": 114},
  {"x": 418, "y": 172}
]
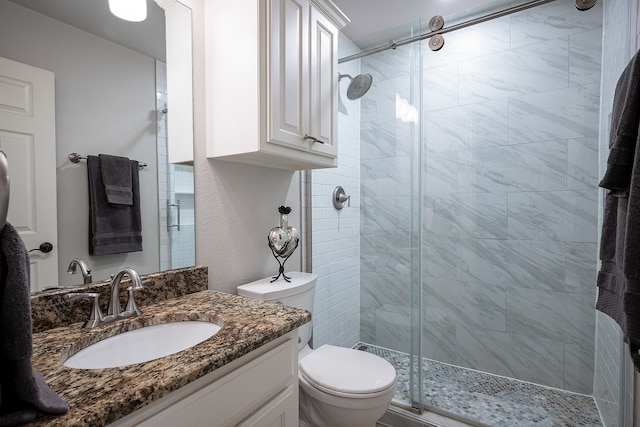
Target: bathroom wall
[
  {"x": 335, "y": 233},
  {"x": 105, "y": 103},
  {"x": 509, "y": 118},
  {"x": 235, "y": 205}
]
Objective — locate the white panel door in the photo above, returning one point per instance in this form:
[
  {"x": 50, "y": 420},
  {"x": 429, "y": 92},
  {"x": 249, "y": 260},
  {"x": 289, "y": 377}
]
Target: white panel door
[{"x": 27, "y": 136}]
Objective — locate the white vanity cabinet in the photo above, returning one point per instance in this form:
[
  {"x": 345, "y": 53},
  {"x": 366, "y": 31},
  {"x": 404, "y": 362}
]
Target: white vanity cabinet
[
  {"x": 272, "y": 82},
  {"x": 259, "y": 389}
]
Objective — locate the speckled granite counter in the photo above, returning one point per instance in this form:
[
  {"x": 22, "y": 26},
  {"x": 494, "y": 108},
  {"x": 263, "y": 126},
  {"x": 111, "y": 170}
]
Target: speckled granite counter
[
  {"x": 98, "y": 397},
  {"x": 50, "y": 310}
]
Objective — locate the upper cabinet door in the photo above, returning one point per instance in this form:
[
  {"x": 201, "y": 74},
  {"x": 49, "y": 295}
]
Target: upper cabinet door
[
  {"x": 289, "y": 71},
  {"x": 272, "y": 87},
  {"x": 323, "y": 74}
]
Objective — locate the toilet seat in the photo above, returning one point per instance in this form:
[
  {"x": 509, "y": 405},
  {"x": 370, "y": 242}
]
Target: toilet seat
[{"x": 346, "y": 372}]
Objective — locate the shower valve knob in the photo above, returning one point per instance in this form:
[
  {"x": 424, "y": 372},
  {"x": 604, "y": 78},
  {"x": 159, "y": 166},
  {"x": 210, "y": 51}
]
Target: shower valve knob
[{"x": 340, "y": 198}]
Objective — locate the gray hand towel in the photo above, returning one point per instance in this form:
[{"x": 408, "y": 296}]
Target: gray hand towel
[
  {"x": 623, "y": 135},
  {"x": 112, "y": 228},
  {"x": 116, "y": 177},
  {"x": 619, "y": 277},
  {"x": 24, "y": 395}
]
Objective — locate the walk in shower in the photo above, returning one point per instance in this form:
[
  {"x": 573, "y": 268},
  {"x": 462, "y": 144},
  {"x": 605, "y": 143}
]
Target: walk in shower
[{"x": 473, "y": 174}]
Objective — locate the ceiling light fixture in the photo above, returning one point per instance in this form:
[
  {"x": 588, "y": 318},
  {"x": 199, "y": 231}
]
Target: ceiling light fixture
[{"x": 129, "y": 10}]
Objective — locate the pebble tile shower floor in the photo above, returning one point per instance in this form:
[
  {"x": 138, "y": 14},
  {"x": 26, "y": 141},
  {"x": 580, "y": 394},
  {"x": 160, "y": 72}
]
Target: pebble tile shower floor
[{"x": 489, "y": 399}]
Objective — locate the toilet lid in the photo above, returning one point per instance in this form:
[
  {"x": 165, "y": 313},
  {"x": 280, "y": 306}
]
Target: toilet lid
[{"x": 347, "y": 370}]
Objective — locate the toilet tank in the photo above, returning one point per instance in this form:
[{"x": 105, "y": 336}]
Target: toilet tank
[{"x": 297, "y": 293}]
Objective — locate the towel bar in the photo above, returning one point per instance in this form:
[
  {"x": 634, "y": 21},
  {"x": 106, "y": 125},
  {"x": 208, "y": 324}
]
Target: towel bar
[{"x": 75, "y": 158}]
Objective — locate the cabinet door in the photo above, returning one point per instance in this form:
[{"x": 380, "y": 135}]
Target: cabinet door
[
  {"x": 282, "y": 411},
  {"x": 288, "y": 73},
  {"x": 251, "y": 390},
  {"x": 323, "y": 84}
]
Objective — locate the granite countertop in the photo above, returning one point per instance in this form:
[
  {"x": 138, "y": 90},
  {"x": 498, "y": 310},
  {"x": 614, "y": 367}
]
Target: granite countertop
[{"x": 97, "y": 397}]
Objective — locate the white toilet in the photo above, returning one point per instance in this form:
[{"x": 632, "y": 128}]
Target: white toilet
[{"x": 339, "y": 387}]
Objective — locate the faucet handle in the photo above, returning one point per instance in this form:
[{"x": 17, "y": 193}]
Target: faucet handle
[
  {"x": 96, "y": 316},
  {"x": 132, "y": 308}
]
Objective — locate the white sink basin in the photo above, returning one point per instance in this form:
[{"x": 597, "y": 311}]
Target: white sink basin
[{"x": 142, "y": 345}]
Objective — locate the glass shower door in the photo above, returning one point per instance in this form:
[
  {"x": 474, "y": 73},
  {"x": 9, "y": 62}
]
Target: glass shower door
[
  {"x": 510, "y": 127},
  {"x": 479, "y": 212},
  {"x": 390, "y": 223}
]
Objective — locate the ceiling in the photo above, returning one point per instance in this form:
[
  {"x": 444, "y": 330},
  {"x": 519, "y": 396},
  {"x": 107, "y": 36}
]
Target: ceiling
[
  {"x": 93, "y": 16},
  {"x": 368, "y": 18}
]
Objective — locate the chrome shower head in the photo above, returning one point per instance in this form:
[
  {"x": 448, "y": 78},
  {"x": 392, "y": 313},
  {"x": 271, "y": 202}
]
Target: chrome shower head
[
  {"x": 585, "y": 4},
  {"x": 359, "y": 85}
]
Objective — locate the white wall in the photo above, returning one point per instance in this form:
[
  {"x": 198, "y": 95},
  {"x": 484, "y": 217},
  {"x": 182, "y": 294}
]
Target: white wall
[
  {"x": 236, "y": 205},
  {"x": 105, "y": 103}
]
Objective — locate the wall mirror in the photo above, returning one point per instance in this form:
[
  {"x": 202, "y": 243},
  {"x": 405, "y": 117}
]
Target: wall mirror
[{"x": 111, "y": 97}]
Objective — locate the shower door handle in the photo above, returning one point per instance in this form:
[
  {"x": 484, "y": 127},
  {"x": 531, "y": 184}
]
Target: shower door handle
[{"x": 169, "y": 206}]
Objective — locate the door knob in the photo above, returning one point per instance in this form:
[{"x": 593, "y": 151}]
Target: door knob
[{"x": 45, "y": 247}]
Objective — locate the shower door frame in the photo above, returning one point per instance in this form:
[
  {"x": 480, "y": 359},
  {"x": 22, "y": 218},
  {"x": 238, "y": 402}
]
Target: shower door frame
[{"x": 416, "y": 374}]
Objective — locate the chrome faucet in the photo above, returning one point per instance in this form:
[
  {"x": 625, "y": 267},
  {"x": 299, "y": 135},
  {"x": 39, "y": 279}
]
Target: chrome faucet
[
  {"x": 115, "y": 309},
  {"x": 86, "y": 272}
]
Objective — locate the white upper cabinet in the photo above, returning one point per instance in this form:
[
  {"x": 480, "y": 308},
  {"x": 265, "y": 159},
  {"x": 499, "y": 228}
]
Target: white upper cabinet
[{"x": 272, "y": 77}]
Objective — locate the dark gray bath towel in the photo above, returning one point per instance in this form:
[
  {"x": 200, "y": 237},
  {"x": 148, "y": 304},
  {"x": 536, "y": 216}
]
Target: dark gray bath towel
[
  {"x": 116, "y": 177},
  {"x": 24, "y": 395},
  {"x": 113, "y": 228},
  {"x": 619, "y": 276}
]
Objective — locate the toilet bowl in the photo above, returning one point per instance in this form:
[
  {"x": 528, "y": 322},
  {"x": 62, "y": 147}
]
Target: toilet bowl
[
  {"x": 338, "y": 387},
  {"x": 342, "y": 387}
]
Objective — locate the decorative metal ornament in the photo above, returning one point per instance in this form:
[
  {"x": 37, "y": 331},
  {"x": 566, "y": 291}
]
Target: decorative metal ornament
[{"x": 283, "y": 240}]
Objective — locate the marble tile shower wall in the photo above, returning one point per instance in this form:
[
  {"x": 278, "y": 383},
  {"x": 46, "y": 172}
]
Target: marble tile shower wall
[
  {"x": 510, "y": 152},
  {"x": 335, "y": 233}
]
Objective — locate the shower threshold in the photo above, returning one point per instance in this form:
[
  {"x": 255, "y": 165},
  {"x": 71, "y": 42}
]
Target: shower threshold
[{"x": 484, "y": 399}]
